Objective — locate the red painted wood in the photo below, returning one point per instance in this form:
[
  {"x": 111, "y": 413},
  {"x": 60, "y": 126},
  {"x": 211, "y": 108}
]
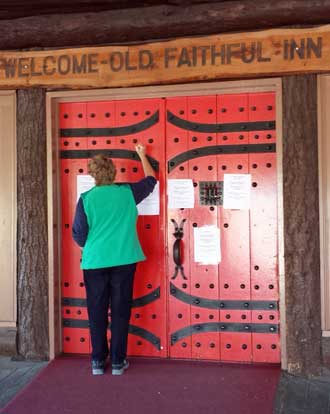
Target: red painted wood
[
  {"x": 203, "y": 278},
  {"x": 248, "y": 269},
  {"x": 150, "y": 274},
  {"x": 179, "y": 313},
  {"x": 263, "y": 219}
]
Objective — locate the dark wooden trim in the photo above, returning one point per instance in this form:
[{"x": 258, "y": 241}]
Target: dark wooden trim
[
  {"x": 15, "y": 9},
  {"x": 301, "y": 224},
  {"x": 158, "y": 22},
  {"x": 32, "y": 245}
]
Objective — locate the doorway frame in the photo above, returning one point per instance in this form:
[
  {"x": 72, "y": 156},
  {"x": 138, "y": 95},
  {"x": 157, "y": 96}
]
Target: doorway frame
[{"x": 53, "y": 99}]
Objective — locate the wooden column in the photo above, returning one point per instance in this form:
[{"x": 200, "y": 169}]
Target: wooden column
[
  {"x": 32, "y": 247},
  {"x": 301, "y": 224}
]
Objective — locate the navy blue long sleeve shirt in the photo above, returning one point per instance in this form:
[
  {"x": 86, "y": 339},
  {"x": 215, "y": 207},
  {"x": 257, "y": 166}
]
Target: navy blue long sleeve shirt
[{"x": 140, "y": 190}]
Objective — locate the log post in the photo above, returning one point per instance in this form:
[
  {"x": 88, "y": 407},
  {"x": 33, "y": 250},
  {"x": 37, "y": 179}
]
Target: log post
[
  {"x": 301, "y": 224},
  {"x": 32, "y": 247}
]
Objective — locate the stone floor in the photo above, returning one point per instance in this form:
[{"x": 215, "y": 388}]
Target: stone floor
[
  {"x": 296, "y": 395},
  {"x": 14, "y": 375}
]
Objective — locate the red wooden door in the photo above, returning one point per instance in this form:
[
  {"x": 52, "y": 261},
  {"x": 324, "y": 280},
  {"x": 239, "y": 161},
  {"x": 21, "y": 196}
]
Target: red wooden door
[
  {"x": 226, "y": 311},
  {"x": 113, "y": 128},
  {"x": 184, "y": 309}
]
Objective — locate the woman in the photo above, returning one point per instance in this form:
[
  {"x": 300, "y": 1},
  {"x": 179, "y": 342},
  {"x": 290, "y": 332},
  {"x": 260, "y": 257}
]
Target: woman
[{"x": 105, "y": 227}]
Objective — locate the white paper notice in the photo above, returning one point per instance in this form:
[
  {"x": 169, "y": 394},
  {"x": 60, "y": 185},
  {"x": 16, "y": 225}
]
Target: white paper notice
[
  {"x": 84, "y": 183},
  {"x": 180, "y": 193},
  {"x": 237, "y": 191},
  {"x": 207, "y": 245},
  {"x": 150, "y": 205}
]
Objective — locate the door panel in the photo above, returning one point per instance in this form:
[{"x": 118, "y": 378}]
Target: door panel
[
  {"x": 233, "y": 306},
  {"x": 113, "y": 128}
]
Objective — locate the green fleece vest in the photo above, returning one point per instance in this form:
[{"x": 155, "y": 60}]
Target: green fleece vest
[{"x": 112, "y": 237}]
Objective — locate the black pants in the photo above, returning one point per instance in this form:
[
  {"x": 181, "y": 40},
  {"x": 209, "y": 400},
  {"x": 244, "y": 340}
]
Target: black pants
[{"x": 114, "y": 285}]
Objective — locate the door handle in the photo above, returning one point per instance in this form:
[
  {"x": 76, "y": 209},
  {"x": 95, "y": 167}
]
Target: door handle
[
  {"x": 177, "y": 249},
  {"x": 177, "y": 252}
]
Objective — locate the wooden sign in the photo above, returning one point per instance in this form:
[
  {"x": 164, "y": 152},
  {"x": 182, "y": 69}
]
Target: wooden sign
[{"x": 239, "y": 55}]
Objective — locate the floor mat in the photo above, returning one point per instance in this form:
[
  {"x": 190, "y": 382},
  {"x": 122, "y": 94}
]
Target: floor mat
[{"x": 149, "y": 386}]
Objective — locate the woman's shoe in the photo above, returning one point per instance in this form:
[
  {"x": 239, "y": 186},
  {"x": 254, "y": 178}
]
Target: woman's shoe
[
  {"x": 98, "y": 367},
  {"x": 118, "y": 369}
]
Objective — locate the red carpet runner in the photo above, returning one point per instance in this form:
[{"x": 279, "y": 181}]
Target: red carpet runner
[{"x": 66, "y": 386}]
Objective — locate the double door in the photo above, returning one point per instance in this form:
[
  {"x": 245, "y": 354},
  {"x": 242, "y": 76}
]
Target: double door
[{"x": 182, "y": 308}]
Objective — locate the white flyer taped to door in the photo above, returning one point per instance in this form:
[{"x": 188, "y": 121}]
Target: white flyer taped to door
[
  {"x": 207, "y": 245},
  {"x": 84, "y": 183},
  {"x": 150, "y": 205},
  {"x": 180, "y": 193},
  {"x": 237, "y": 191}
]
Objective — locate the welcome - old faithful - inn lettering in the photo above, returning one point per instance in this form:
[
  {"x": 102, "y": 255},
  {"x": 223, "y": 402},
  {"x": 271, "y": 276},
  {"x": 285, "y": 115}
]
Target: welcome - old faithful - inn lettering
[{"x": 147, "y": 59}]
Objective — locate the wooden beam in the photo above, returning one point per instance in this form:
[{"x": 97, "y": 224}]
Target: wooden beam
[
  {"x": 17, "y": 8},
  {"x": 301, "y": 225},
  {"x": 158, "y": 22},
  {"x": 236, "y": 55},
  {"x": 32, "y": 243}
]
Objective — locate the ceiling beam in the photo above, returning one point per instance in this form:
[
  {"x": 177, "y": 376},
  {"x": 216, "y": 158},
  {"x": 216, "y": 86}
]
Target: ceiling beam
[
  {"x": 158, "y": 22},
  {"x": 15, "y": 9}
]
